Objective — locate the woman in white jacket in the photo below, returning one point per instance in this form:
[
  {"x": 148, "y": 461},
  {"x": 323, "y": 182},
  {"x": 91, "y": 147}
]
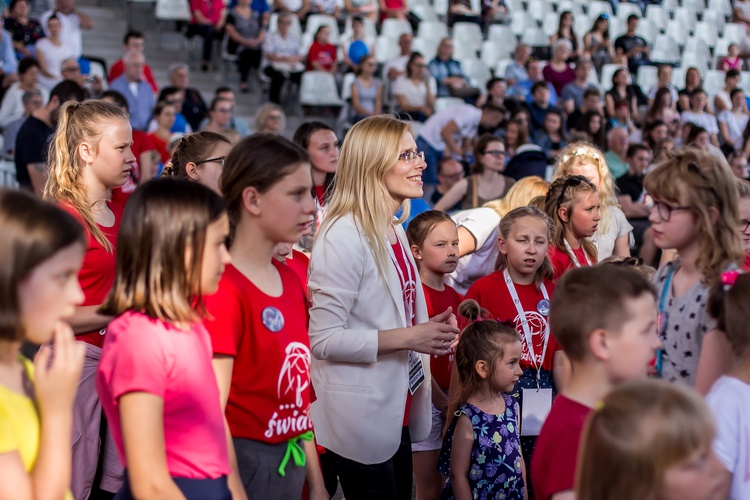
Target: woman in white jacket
[{"x": 369, "y": 332}]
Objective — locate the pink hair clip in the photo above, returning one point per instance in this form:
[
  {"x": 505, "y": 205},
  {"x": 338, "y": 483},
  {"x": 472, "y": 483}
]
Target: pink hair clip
[{"x": 729, "y": 278}]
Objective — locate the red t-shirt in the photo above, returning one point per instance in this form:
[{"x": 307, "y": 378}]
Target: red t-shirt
[
  {"x": 325, "y": 55},
  {"x": 553, "y": 465},
  {"x": 561, "y": 261},
  {"x": 118, "y": 68},
  {"x": 299, "y": 262},
  {"x": 98, "y": 271},
  {"x": 320, "y": 194},
  {"x": 160, "y": 145},
  {"x": 269, "y": 397},
  {"x": 492, "y": 294},
  {"x": 437, "y": 302},
  {"x": 407, "y": 280}
]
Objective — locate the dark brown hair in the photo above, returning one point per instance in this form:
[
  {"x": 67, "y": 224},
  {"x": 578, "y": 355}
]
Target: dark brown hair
[
  {"x": 728, "y": 304},
  {"x": 33, "y": 231},
  {"x": 192, "y": 148},
  {"x": 480, "y": 147},
  {"x": 421, "y": 225}
]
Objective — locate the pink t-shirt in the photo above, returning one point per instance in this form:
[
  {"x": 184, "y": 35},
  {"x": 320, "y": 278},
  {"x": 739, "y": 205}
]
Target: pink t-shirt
[{"x": 142, "y": 354}]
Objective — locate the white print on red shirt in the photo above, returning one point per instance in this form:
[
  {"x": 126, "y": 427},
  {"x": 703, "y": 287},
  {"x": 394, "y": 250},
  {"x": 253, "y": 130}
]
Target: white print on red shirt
[
  {"x": 294, "y": 377},
  {"x": 539, "y": 328}
]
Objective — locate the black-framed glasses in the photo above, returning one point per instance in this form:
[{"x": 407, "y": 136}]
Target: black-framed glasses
[
  {"x": 495, "y": 152},
  {"x": 218, "y": 159},
  {"x": 411, "y": 156},
  {"x": 744, "y": 225},
  {"x": 572, "y": 181},
  {"x": 665, "y": 210}
]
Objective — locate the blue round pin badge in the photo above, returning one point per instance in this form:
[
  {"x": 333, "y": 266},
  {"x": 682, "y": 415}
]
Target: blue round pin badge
[
  {"x": 543, "y": 307},
  {"x": 272, "y": 319}
]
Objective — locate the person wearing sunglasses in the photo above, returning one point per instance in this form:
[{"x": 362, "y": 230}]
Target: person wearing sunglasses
[{"x": 487, "y": 181}]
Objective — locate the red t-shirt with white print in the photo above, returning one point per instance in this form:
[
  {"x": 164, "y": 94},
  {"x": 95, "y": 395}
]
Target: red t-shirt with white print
[
  {"x": 269, "y": 397},
  {"x": 561, "y": 261},
  {"x": 492, "y": 294}
]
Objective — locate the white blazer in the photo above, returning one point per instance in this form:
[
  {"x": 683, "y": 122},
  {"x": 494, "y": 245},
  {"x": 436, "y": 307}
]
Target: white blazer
[{"x": 359, "y": 411}]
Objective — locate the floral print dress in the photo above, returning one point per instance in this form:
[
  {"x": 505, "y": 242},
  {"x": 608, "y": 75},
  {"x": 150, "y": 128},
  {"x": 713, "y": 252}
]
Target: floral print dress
[{"x": 496, "y": 467}]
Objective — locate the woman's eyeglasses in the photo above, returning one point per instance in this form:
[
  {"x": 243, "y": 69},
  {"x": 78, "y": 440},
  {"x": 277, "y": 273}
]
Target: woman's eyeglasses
[
  {"x": 744, "y": 225},
  {"x": 218, "y": 159},
  {"x": 411, "y": 156},
  {"x": 665, "y": 210},
  {"x": 495, "y": 152}
]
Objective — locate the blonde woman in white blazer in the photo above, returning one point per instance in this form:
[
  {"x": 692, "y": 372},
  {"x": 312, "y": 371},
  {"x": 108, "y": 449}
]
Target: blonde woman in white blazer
[{"x": 368, "y": 322}]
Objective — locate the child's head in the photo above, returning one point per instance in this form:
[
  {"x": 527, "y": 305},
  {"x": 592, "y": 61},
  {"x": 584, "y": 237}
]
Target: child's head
[
  {"x": 733, "y": 50},
  {"x": 525, "y": 235},
  {"x": 695, "y": 204},
  {"x": 199, "y": 157},
  {"x": 743, "y": 189},
  {"x": 488, "y": 352},
  {"x": 635, "y": 263},
  {"x": 606, "y": 315},
  {"x": 520, "y": 194},
  {"x": 728, "y": 304},
  {"x": 268, "y": 179},
  {"x": 433, "y": 238},
  {"x": 660, "y": 433},
  {"x": 42, "y": 248},
  {"x": 738, "y": 161},
  {"x": 573, "y": 204},
  {"x": 553, "y": 122},
  {"x": 170, "y": 250}
]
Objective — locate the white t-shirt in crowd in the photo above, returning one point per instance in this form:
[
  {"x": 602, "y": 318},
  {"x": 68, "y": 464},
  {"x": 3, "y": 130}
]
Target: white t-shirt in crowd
[
  {"x": 701, "y": 119},
  {"x": 415, "y": 93},
  {"x": 70, "y": 31},
  {"x": 467, "y": 119},
  {"x": 735, "y": 126},
  {"x": 483, "y": 224},
  {"x": 729, "y": 399},
  {"x": 398, "y": 63}
]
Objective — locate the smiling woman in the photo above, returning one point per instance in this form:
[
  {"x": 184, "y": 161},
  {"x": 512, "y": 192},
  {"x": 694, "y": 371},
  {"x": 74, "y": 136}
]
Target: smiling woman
[{"x": 369, "y": 328}]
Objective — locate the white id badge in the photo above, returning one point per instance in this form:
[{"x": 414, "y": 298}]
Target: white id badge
[
  {"x": 416, "y": 372},
  {"x": 535, "y": 407}
]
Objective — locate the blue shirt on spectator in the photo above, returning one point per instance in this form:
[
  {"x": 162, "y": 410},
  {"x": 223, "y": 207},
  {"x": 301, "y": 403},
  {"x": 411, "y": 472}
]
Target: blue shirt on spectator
[
  {"x": 8, "y": 54},
  {"x": 440, "y": 70},
  {"x": 522, "y": 90},
  {"x": 140, "y": 104}
]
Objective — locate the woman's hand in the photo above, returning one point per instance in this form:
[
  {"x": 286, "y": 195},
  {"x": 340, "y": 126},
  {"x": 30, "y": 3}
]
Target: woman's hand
[
  {"x": 56, "y": 382},
  {"x": 435, "y": 337}
]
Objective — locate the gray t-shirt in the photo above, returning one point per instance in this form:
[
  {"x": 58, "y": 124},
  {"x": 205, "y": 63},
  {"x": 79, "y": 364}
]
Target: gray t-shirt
[
  {"x": 687, "y": 323},
  {"x": 618, "y": 226}
]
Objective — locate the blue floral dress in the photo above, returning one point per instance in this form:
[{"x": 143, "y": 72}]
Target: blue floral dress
[{"x": 496, "y": 468}]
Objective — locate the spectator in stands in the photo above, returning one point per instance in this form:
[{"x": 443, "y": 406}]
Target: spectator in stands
[
  {"x": 193, "y": 105},
  {"x": 738, "y": 163},
  {"x": 8, "y": 61},
  {"x": 270, "y": 119},
  {"x": 622, "y": 119},
  {"x": 664, "y": 80},
  {"x": 592, "y": 125},
  {"x": 565, "y": 31},
  {"x": 662, "y": 109},
  {"x": 522, "y": 90},
  {"x": 494, "y": 11},
  {"x": 516, "y": 136},
  {"x": 722, "y": 99},
  {"x": 358, "y": 34},
  {"x": 654, "y": 132},
  {"x": 495, "y": 95},
  {"x": 326, "y": 7},
  {"x": 617, "y": 152},
  {"x": 632, "y": 49},
  {"x": 298, "y": 8},
  {"x": 698, "y": 115},
  {"x": 692, "y": 82},
  {"x": 450, "y": 171},
  {"x": 32, "y": 139},
  {"x": 450, "y": 131},
  {"x": 164, "y": 114},
  {"x": 732, "y": 122},
  {"x": 597, "y": 43},
  {"x": 558, "y": 72},
  {"x": 486, "y": 181},
  {"x": 450, "y": 78},
  {"x": 700, "y": 138},
  {"x": 551, "y": 137},
  {"x": 220, "y": 116},
  {"x": 283, "y": 50},
  {"x": 393, "y": 9},
  {"x": 237, "y": 123},
  {"x": 539, "y": 106},
  {"x": 246, "y": 32},
  {"x": 632, "y": 197},
  {"x": 460, "y": 11},
  {"x": 31, "y": 100},
  {"x": 25, "y": 31},
  {"x": 366, "y": 8},
  {"x": 137, "y": 91},
  {"x": 516, "y": 71},
  {"x": 12, "y": 107},
  {"x": 572, "y": 94},
  {"x": 175, "y": 97},
  {"x": 72, "y": 21},
  {"x": 592, "y": 101},
  {"x": 322, "y": 53},
  {"x": 415, "y": 91},
  {"x": 207, "y": 22},
  {"x": 133, "y": 42},
  {"x": 741, "y": 13},
  {"x": 621, "y": 92},
  {"x": 396, "y": 67},
  {"x": 732, "y": 59},
  {"x": 664, "y": 149},
  {"x": 51, "y": 52},
  {"x": 367, "y": 91}
]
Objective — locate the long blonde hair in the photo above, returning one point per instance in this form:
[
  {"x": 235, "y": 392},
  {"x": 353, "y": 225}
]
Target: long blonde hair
[
  {"x": 581, "y": 153},
  {"x": 78, "y": 123},
  {"x": 705, "y": 182},
  {"x": 370, "y": 150},
  {"x": 520, "y": 194},
  {"x": 642, "y": 429}
]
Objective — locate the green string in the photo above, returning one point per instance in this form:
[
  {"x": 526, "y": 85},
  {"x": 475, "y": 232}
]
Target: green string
[{"x": 295, "y": 451}]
